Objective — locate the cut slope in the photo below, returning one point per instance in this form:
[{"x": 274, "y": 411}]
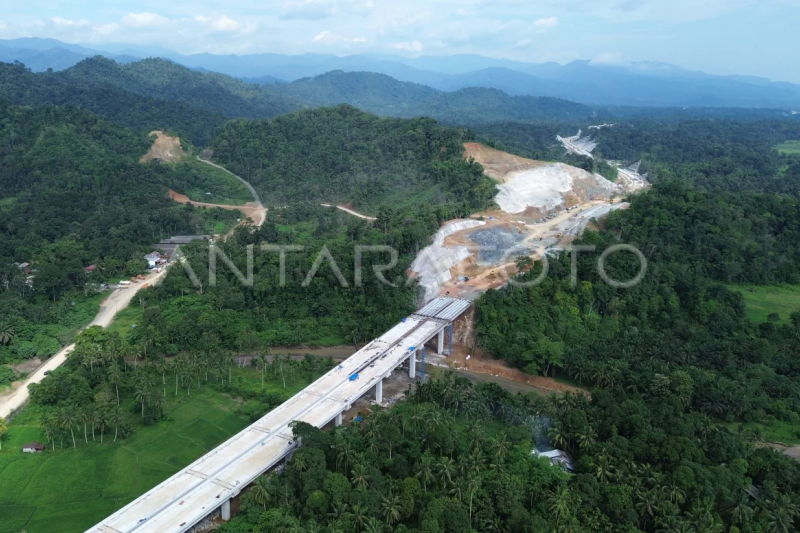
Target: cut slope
[
  {"x": 165, "y": 148},
  {"x": 535, "y": 187}
]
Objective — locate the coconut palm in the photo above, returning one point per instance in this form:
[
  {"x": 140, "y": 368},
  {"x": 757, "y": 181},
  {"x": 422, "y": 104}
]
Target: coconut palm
[
  {"x": 116, "y": 419},
  {"x": 7, "y": 333},
  {"x": 142, "y": 392},
  {"x": 115, "y": 378},
  {"x": 360, "y": 477},
  {"x": 67, "y": 420},
  {"x": 103, "y": 417},
  {"x": 425, "y": 470},
  {"x": 260, "y": 492},
  {"x": 391, "y": 509},
  {"x": 446, "y": 469}
]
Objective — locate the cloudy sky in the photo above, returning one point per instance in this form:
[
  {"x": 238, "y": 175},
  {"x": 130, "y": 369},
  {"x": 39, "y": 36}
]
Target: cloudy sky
[{"x": 757, "y": 37}]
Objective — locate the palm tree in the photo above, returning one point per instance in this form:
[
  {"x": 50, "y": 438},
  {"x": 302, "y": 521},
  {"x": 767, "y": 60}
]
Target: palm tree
[
  {"x": 162, "y": 367},
  {"x": 360, "y": 477},
  {"x": 425, "y": 470},
  {"x": 115, "y": 378},
  {"x": 741, "y": 513},
  {"x": 49, "y": 429},
  {"x": 559, "y": 504},
  {"x": 587, "y": 438},
  {"x": 260, "y": 491},
  {"x": 446, "y": 469},
  {"x": 67, "y": 419},
  {"x": 373, "y": 526},
  {"x": 473, "y": 485},
  {"x": 7, "y": 333},
  {"x": 142, "y": 392},
  {"x": 390, "y": 509},
  {"x": 359, "y": 516},
  {"x": 102, "y": 421},
  {"x": 116, "y": 418}
]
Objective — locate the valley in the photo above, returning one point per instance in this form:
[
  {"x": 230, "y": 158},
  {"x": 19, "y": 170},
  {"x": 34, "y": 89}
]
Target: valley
[{"x": 663, "y": 403}]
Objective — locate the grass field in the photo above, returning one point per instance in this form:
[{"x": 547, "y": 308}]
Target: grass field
[
  {"x": 762, "y": 300},
  {"x": 776, "y": 431},
  {"x": 224, "y": 188},
  {"x": 69, "y": 490},
  {"x": 789, "y": 148}
]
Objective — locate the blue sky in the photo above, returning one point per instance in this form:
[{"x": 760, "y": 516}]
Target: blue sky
[{"x": 716, "y": 36}]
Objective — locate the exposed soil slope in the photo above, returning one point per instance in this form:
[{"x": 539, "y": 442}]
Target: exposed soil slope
[
  {"x": 165, "y": 148},
  {"x": 252, "y": 210}
]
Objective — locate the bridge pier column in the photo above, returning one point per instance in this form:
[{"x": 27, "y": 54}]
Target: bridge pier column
[
  {"x": 379, "y": 391},
  {"x": 440, "y": 345},
  {"x": 412, "y": 365},
  {"x": 225, "y": 510},
  {"x": 338, "y": 420}
]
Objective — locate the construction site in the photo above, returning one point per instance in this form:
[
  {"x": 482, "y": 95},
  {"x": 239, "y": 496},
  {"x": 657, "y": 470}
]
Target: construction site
[{"x": 539, "y": 205}]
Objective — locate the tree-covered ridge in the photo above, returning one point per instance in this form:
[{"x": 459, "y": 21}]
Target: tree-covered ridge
[
  {"x": 678, "y": 330},
  {"x": 341, "y": 154},
  {"x": 456, "y": 458},
  {"x": 163, "y": 79},
  {"x": 383, "y": 95},
  {"x": 73, "y": 194},
  {"x": 316, "y": 311},
  {"x": 142, "y": 112},
  {"x": 715, "y": 155}
]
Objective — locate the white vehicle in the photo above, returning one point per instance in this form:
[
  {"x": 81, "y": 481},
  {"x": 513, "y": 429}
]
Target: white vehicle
[{"x": 124, "y": 283}]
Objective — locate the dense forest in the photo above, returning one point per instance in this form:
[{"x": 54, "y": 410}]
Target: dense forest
[
  {"x": 455, "y": 458},
  {"x": 715, "y": 155},
  {"x": 341, "y": 154},
  {"x": 682, "y": 383},
  {"x": 73, "y": 194},
  {"x": 141, "y": 112}
]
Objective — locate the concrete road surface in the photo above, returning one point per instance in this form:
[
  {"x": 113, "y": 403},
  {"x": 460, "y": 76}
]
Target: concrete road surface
[{"x": 118, "y": 301}]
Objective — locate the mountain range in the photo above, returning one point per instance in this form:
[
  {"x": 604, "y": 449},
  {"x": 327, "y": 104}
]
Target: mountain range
[{"x": 636, "y": 84}]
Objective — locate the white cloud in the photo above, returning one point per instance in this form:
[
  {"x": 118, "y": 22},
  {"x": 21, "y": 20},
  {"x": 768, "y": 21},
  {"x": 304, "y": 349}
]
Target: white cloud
[
  {"x": 547, "y": 23},
  {"x": 608, "y": 58},
  {"x": 66, "y": 22},
  {"x": 3, "y": 25},
  {"x": 309, "y": 9},
  {"x": 145, "y": 20},
  {"x": 224, "y": 24},
  {"x": 413, "y": 46},
  {"x": 321, "y": 35},
  {"x": 104, "y": 30}
]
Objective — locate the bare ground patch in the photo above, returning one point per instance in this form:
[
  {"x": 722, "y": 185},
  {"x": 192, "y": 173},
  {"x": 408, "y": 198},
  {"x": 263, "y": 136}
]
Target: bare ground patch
[{"x": 165, "y": 148}]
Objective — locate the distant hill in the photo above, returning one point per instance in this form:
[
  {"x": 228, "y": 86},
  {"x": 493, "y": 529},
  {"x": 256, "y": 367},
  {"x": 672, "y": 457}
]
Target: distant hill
[
  {"x": 20, "y": 86},
  {"x": 164, "y": 79},
  {"x": 637, "y": 84},
  {"x": 383, "y": 95}
]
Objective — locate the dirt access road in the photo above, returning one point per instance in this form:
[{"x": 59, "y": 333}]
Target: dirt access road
[
  {"x": 117, "y": 301},
  {"x": 350, "y": 211},
  {"x": 254, "y": 210}
]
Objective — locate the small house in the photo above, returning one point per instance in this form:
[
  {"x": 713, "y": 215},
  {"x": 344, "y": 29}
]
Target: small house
[
  {"x": 90, "y": 269},
  {"x": 33, "y": 447},
  {"x": 152, "y": 258},
  {"x": 557, "y": 458}
]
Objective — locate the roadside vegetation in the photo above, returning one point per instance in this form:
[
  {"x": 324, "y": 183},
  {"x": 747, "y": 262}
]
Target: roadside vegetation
[
  {"x": 457, "y": 458},
  {"x": 115, "y": 424}
]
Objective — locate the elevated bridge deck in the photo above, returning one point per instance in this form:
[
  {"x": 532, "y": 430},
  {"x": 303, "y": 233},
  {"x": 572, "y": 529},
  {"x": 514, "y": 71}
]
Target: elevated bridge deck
[{"x": 208, "y": 484}]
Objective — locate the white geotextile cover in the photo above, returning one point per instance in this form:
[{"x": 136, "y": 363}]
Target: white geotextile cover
[
  {"x": 433, "y": 263},
  {"x": 541, "y": 187}
]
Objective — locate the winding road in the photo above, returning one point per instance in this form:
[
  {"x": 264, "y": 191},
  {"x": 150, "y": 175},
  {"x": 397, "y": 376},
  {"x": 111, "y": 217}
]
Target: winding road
[{"x": 117, "y": 301}]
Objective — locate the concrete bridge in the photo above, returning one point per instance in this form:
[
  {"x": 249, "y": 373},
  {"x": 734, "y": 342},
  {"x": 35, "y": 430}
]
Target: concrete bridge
[{"x": 207, "y": 486}]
